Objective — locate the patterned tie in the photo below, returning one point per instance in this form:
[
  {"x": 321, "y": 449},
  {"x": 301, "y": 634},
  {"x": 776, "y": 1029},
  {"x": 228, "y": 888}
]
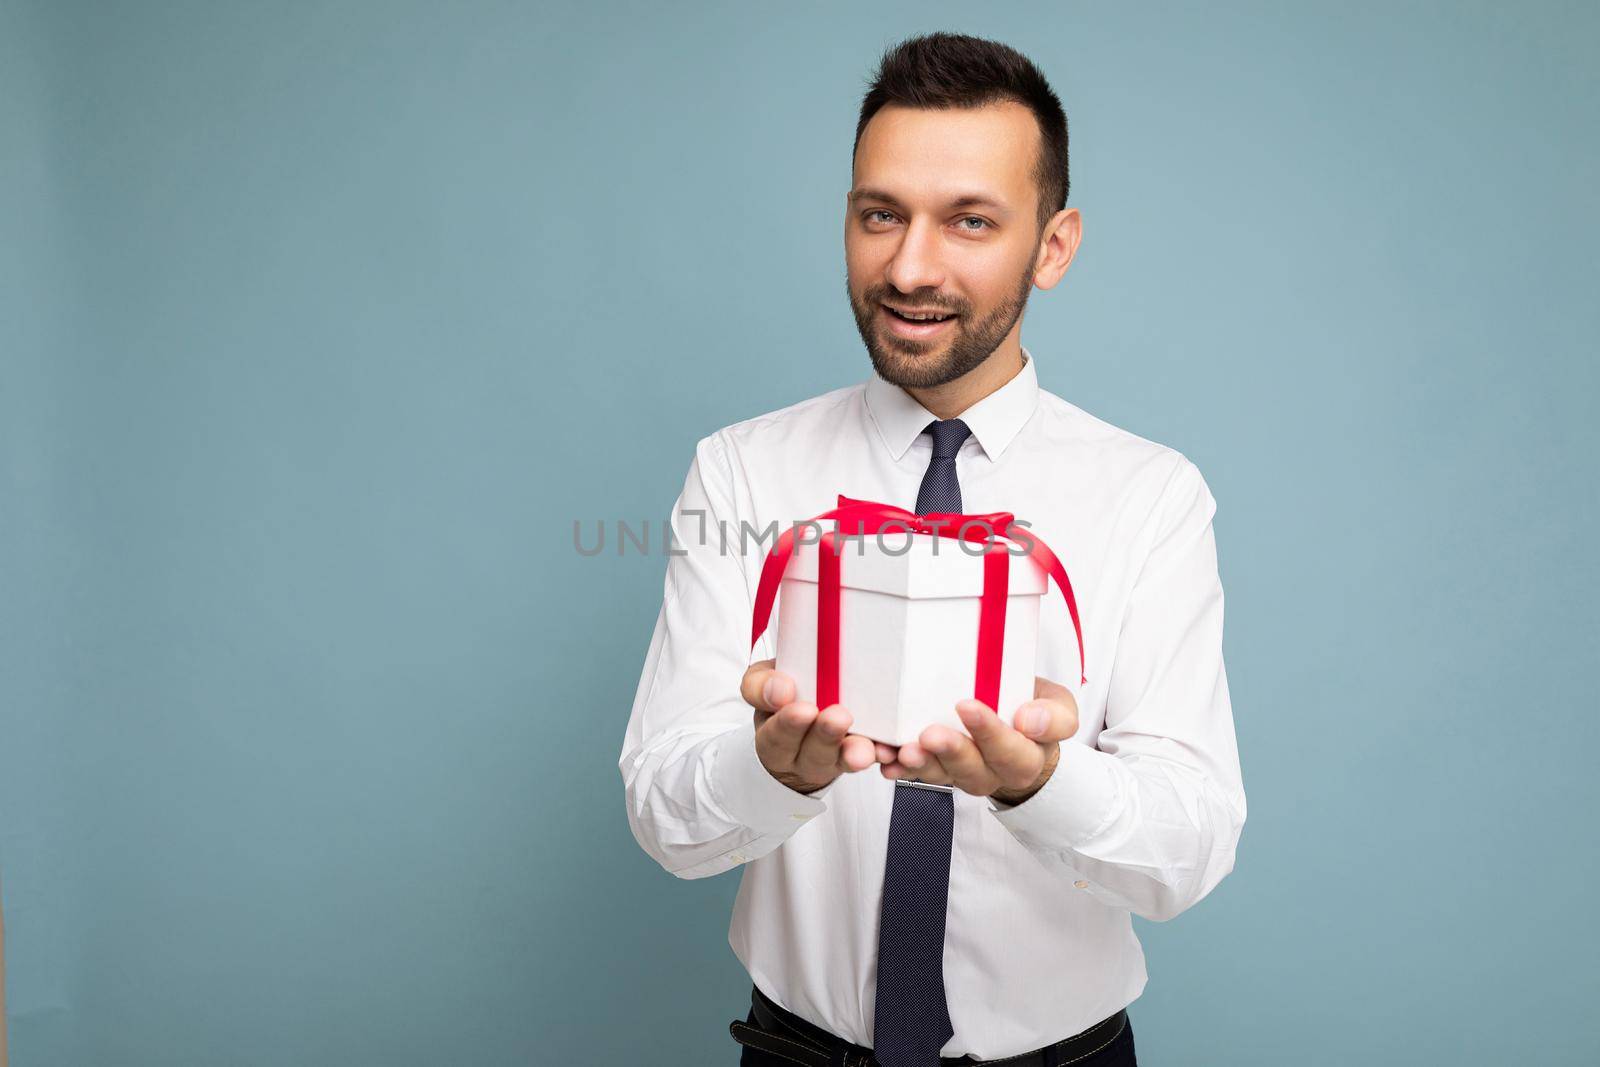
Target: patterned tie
[{"x": 911, "y": 1022}]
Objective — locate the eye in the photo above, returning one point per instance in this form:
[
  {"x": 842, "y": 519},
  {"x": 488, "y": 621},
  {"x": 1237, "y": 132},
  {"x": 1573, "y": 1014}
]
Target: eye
[
  {"x": 974, "y": 218},
  {"x": 871, "y": 215}
]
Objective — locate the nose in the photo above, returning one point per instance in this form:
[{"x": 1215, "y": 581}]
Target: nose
[{"x": 916, "y": 264}]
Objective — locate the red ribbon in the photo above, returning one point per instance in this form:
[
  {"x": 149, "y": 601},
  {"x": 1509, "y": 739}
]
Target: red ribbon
[{"x": 856, "y": 518}]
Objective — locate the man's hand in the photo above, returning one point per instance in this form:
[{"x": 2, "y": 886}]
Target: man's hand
[
  {"x": 1007, "y": 762},
  {"x": 801, "y": 747}
]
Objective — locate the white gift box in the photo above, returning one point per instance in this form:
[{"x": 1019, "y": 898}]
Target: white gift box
[{"x": 908, "y": 630}]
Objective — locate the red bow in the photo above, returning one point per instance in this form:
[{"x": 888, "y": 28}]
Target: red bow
[{"x": 857, "y": 518}]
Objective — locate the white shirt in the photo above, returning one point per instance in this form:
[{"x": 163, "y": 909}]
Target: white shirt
[{"x": 1141, "y": 816}]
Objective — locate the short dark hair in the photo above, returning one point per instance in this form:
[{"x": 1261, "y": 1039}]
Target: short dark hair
[{"x": 950, "y": 70}]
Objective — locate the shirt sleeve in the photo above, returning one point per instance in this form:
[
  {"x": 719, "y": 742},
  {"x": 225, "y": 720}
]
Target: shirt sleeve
[
  {"x": 699, "y": 799},
  {"x": 1149, "y": 818}
]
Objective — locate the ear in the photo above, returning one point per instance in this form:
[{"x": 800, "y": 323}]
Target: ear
[{"x": 1057, "y": 245}]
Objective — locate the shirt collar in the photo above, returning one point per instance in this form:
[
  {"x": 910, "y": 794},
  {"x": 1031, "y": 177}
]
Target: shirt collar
[{"x": 994, "y": 421}]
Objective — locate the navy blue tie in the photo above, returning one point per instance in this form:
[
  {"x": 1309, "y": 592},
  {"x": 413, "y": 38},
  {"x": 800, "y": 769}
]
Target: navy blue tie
[{"x": 911, "y": 1020}]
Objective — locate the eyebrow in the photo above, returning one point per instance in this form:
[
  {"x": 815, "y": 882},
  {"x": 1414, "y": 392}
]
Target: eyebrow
[{"x": 966, "y": 200}]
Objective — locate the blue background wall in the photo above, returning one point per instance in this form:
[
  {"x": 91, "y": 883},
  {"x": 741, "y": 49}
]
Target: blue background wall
[{"x": 322, "y": 323}]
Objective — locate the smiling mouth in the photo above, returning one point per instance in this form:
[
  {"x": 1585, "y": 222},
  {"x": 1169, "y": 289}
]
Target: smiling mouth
[{"x": 919, "y": 317}]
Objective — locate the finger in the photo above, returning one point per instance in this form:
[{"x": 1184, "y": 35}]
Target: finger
[
  {"x": 886, "y": 753},
  {"x": 931, "y": 773},
  {"x": 856, "y": 753},
  {"x": 778, "y": 739},
  {"x": 1015, "y": 759},
  {"x": 912, "y": 757},
  {"x": 1045, "y": 689},
  {"x": 1047, "y": 719},
  {"x": 765, "y": 688},
  {"x": 755, "y": 677},
  {"x": 915, "y": 762},
  {"x": 819, "y": 751},
  {"x": 961, "y": 759}
]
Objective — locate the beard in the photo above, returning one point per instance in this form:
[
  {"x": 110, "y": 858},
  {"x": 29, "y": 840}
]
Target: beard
[{"x": 919, "y": 364}]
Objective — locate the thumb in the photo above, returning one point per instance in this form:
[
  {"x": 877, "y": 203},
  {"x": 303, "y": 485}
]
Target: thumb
[{"x": 767, "y": 689}]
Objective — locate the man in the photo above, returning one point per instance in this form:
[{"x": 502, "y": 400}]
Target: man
[{"x": 971, "y": 896}]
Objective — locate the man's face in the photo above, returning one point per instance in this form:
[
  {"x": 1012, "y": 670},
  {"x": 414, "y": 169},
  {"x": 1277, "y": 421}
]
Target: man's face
[{"x": 912, "y": 240}]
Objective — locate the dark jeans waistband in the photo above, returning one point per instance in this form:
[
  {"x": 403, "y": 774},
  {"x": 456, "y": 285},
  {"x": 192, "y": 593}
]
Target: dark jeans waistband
[{"x": 786, "y": 1034}]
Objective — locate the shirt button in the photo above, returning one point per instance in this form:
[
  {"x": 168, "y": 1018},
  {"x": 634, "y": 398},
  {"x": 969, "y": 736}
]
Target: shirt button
[
  {"x": 800, "y": 815},
  {"x": 1081, "y": 884},
  {"x": 738, "y": 857}
]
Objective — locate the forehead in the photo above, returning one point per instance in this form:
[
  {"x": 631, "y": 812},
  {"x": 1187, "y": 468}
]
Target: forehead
[{"x": 929, "y": 154}]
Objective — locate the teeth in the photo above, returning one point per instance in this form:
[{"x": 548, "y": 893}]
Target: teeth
[{"x": 922, "y": 317}]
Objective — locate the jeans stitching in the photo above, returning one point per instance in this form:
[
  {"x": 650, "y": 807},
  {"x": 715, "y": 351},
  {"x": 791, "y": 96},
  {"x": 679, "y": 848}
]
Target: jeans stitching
[
  {"x": 1092, "y": 1051},
  {"x": 786, "y": 1041},
  {"x": 806, "y": 1038},
  {"x": 788, "y": 1027},
  {"x": 1006, "y": 1059},
  {"x": 1035, "y": 1052}
]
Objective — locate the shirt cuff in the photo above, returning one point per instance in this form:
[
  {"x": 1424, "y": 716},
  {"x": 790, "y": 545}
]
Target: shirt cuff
[
  {"x": 1073, "y": 806},
  {"x": 749, "y": 793}
]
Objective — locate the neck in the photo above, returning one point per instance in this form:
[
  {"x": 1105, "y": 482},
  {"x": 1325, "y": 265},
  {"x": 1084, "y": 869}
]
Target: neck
[{"x": 952, "y": 398}]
